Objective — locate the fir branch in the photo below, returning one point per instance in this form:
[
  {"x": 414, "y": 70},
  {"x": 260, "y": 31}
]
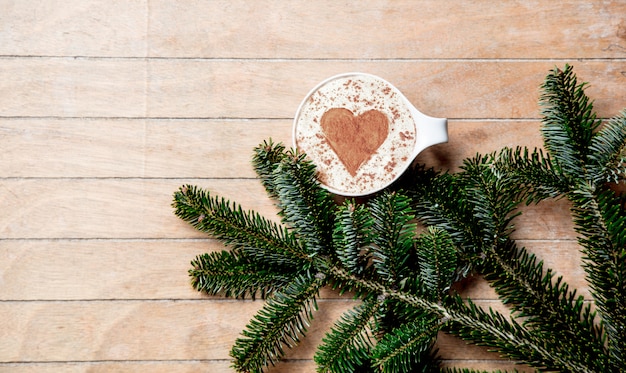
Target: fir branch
[
  {"x": 607, "y": 151},
  {"x": 493, "y": 197},
  {"x": 569, "y": 121},
  {"x": 240, "y": 229},
  {"x": 491, "y": 328},
  {"x": 306, "y": 207},
  {"x": 466, "y": 370},
  {"x": 347, "y": 347},
  {"x": 601, "y": 221},
  {"x": 471, "y": 323},
  {"x": 403, "y": 280},
  {"x": 437, "y": 262},
  {"x": 547, "y": 306},
  {"x": 352, "y": 236},
  {"x": 393, "y": 232},
  {"x": 280, "y": 323},
  {"x": 534, "y": 172},
  {"x": 408, "y": 347},
  {"x": 267, "y": 157},
  {"x": 439, "y": 201},
  {"x": 234, "y": 274}
]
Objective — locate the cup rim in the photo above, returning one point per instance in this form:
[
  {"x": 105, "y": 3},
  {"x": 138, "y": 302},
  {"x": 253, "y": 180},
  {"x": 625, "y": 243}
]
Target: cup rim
[{"x": 410, "y": 108}]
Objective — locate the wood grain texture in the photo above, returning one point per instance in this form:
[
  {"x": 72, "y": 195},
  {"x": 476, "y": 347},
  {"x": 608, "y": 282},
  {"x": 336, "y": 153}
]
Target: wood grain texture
[
  {"x": 98, "y": 28},
  {"x": 176, "y": 366},
  {"x": 140, "y": 208},
  {"x": 323, "y": 29},
  {"x": 107, "y": 107},
  {"x": 84, "y": 331},
  {"x": 89, "y": 269},
  {"x": 401, "y": 29},
  {"x": 212, "y": 366},
  {"x": 207, "y": 88},
  {"x": 199, "y": 148}
]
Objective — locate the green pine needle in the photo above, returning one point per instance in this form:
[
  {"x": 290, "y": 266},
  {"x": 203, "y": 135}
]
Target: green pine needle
[
  {"x": 393, "y": 232},
  {"x": 347, "y": 347},
  {"x": 352, "y": 236},
  {"x": 235, "y": 274},
  {"x": 267, "y": 157},
  {"x": 408, "y": 348},
  {"x": 239, "y": 229},
  {"x": 437, "y": 261},
  {"x": 281, "y": 323},
  {"x": 607, "y": 151},
  {"x": 306, "y": 207},
  {"x": 569, "y": 120}
]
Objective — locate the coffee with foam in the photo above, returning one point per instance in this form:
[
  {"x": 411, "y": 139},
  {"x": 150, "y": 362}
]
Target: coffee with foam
[{"x": 359, "y": 132}]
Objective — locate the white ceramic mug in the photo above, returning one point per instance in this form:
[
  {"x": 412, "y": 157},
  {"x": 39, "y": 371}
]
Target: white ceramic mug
[{"x": 362, "y": 133}]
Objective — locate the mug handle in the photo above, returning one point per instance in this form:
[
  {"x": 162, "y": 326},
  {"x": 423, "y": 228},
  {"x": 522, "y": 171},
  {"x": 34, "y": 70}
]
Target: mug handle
[{"x": 430, "y": 130}]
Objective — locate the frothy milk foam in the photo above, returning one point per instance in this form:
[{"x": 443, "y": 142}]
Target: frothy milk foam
[{"x": 358, "y": 131}]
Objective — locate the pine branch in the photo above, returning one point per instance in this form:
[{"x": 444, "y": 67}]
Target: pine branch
[
  {"x": 466, "y": 370},
  {"x": 534, "y": 172},
  {"x": 239, "y": 229},
  {"x": 476, "y": 207},
  {"x": 547, "y": 306},
  {"x": 569, "y": 121},
  {"x": 347, "y": 347},
  {"x": 306, "y": 208},
  {"x": 601, "y": 220},
  {"x": 403, "y": 279},
  {"x": 493, "y": 197},
  {"x": 352, "y": 236},
  {"x": 279, "y": 324},
  {"x": 267, "y": 157},
  {"x": 437, "y": 262},
  {"x": 234, "y": 274},
  {"x": 393, "y": 233},
  {"x": 408, "y": 347},
  {"x": 440, "y": 201},
  {"x": 598, "y": 215},
  {"x": 471, "y": 323},
  {"x": 607, "y": 151},
  {"x": 506, "y": 336}
]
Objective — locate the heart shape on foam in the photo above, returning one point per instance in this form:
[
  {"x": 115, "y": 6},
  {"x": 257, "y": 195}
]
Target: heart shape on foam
[{"x": 354, "y": 138}]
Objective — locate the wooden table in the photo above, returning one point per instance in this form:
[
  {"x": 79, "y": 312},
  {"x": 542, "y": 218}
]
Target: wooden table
[{"x": 107, "y": 107}]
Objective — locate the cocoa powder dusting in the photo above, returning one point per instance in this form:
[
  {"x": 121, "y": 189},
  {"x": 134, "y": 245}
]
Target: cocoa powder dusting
[{"x": 354, "y": 138}]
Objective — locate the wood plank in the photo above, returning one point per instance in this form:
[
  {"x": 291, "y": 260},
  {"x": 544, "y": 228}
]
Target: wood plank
[
  {"x": 79, "y": 147},
  {"x": 238, "y": 29},
  {"x": 401, "y": 29},
  {"x": 190, "y": 88},
  {"x": 449, "y": 89},
  {"x": 172, "y": 148},
  {"x": 74, "y": 28},
  {"x": 139, "y": 208},
  {"x": 134, "y": 270},
  {"x": 488, "y": 366},
  {"x": 113, "y": 331},
  {"x": 547, "y": 220},
  {"x": 110, "y": 208},
  {"x": 157, "y": 269},
  {"x": 99, "y": 269},
  {"x": 137, "y": 330},
  {"x": 72, "y": 87},
  {"x": 466, "y": 138},
  {"x": 213, "y": 366},
  {"x": 300, "y": 366}
]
